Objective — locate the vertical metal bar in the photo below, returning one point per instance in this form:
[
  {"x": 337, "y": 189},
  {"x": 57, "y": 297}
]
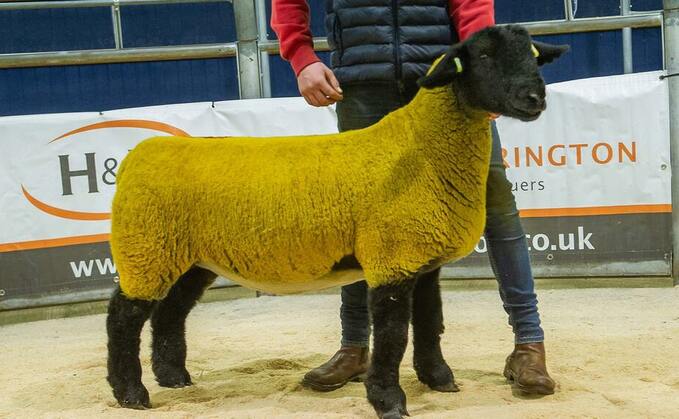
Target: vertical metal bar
[
  {"x": 662, "y": 43},
  {"x": 248, "y": 55},
  {"x": 117, "y": 24},
  {"x": 671, "y": 11},
  {"x": 627, "y": 57},
  {"x": 262, "y": 27},
  {"x": 568, "y": 7}
]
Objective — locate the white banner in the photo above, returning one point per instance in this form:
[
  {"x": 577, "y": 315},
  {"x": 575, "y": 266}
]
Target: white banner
[
  {"x": 603, "y": 145},
  {"x": 57, "y": 171}
]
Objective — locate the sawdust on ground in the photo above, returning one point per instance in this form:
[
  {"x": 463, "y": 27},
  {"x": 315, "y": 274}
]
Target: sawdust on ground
[{"x": 613, "y": 352}]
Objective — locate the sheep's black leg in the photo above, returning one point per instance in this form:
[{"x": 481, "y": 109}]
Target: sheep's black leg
[
  {"x": 168, "y": 320},
  {"x": 390, "y": 307},
  {"x": 125, "y": 320},
  {"x": 429, "y": 364}
]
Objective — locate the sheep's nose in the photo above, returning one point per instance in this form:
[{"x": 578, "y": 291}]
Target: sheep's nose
[{"x": 536, "y": 101}]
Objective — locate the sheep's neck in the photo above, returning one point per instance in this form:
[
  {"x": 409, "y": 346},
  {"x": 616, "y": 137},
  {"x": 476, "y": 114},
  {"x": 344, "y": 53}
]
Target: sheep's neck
[
  {"x": 439, "y": 113},
  {"x": 439, "y": 156},
  {"x": 453, "y": 137},
  {"x": 446, "y": 147}
]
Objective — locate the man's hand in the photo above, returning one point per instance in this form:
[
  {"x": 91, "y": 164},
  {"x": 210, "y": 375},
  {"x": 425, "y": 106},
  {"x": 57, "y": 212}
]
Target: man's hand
[{"x": 318, "y": 85}]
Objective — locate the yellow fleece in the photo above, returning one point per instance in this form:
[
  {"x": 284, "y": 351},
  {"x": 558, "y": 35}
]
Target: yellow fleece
[{"x": 277, "y": 213}]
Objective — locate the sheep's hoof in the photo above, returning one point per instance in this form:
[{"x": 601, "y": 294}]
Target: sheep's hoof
[
  {"x": 389, "y": 402},
  {"x": 395, "y": 413},
  {"x": 438, "y": 378},
  {"x": 173, "y": 377},
  {"x": 446, "y": 388},
  {"x": 135, "y": 398}
]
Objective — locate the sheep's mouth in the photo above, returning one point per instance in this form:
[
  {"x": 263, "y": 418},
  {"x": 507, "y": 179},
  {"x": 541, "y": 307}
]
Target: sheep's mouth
[{"x": 524, "y": 114}]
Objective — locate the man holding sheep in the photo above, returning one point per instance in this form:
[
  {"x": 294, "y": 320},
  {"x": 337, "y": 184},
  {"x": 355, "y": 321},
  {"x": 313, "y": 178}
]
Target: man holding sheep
[{"x": 379, "y": 50}]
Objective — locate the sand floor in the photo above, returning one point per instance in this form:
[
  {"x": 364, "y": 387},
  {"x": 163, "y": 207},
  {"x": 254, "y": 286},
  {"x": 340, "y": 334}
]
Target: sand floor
[{"x": 611, "y": 350}]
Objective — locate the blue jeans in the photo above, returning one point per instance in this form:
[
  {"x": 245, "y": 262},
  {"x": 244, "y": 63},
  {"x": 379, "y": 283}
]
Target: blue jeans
[{"x": 364, "y": 105}]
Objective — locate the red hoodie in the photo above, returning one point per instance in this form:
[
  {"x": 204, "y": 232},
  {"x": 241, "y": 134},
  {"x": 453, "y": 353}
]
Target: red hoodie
[{"x": 290, "y": 21}]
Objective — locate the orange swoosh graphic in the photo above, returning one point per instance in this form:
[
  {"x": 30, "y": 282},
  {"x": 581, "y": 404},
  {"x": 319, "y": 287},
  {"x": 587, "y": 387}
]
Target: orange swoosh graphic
[
  {"x": 63, "y": 213},
  {"x": 47, "y": 243},
  {"x": 585, "y": 211},
  {"x": 128, "y": 123}
]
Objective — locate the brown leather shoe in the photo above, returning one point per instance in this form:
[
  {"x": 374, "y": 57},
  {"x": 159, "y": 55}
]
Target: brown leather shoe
[
  {"x": 350, "y": 363},
  {"x": 526, "y": 368}
]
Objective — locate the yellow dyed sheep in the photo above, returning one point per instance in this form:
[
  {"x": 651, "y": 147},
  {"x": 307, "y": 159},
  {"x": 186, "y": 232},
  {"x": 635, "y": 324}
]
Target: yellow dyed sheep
[
  {"x": 276, "y": 214},
  {"x": 390, "y": 203}
]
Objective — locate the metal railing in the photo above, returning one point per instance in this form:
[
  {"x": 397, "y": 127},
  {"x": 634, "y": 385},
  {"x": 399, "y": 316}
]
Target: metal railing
[
  {"x": 550, "y": 27},
  {"x": 126, "y": 55},
  {"x": 253, "y": 47},
  {"x": 72, "y": 4},
  {"x": 118, "y": 54}
]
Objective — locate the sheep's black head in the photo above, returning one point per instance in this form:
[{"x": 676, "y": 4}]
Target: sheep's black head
[{"x": 497, "y": 70}]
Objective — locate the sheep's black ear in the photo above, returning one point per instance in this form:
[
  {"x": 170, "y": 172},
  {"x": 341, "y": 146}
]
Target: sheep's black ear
[
  {"x": 444, "y": 70},
  {"x": 549, "y": 52}
]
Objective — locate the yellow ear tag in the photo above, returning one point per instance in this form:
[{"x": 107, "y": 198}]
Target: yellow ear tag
[
  {"x": 535, "y": 51},
  {"x": 458, "y": 64}
]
